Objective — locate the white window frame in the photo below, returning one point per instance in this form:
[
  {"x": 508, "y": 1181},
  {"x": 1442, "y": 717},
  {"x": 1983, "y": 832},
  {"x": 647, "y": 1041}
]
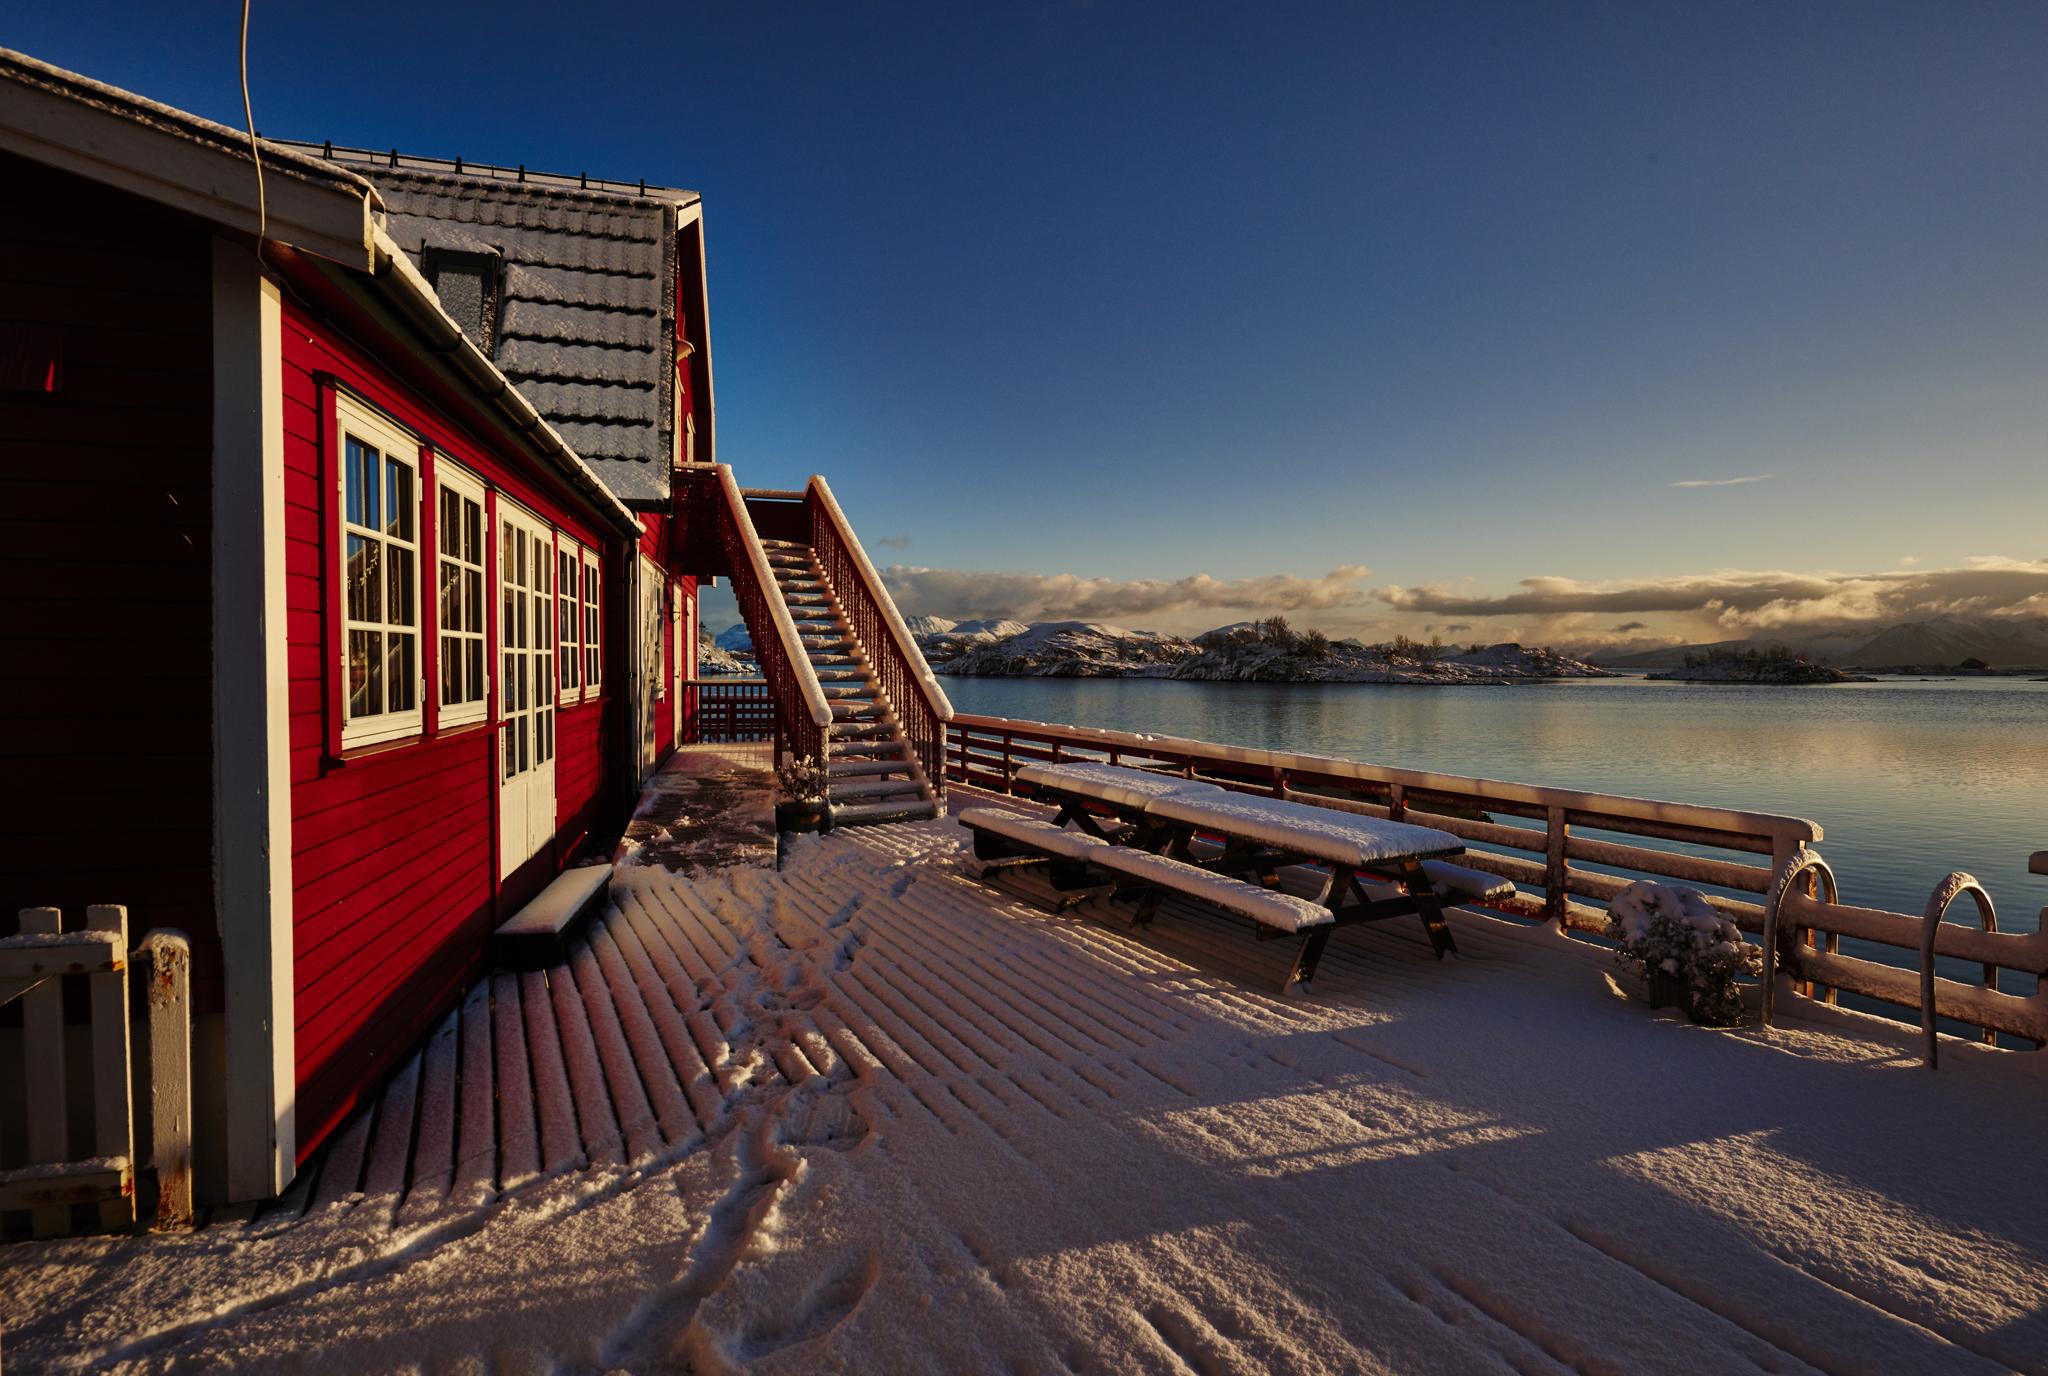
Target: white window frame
[
  {"x": 569, "y": 607},
  {"x": 449, "y": 477},
  {"x": 355, "y": 418},
  {"x": 592, "y": 636}
]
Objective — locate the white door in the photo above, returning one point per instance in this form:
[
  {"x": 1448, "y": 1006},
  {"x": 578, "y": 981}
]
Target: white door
[
  {"x": 526, "y": 687},
  {"x": 683, "y": 632}
]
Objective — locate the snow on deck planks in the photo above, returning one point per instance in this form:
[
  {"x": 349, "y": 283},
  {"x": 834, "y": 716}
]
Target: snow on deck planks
[{"x": 1413, "y": 1170}]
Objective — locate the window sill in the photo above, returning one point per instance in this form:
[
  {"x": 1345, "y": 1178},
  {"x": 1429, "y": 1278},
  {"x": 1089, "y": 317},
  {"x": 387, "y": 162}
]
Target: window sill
[{"x": 370, "y": 750}]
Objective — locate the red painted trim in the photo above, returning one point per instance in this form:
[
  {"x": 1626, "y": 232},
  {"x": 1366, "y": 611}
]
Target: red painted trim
[
  {"x": 428, "y": 586},
  {"x": 332, "y": 575}
]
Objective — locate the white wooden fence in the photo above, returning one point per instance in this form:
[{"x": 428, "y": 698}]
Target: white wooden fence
[{"x": 33, "y": 968}]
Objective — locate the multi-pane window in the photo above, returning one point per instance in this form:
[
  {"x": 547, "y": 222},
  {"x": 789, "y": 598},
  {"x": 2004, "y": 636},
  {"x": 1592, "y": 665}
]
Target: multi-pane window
[
  {"x": 592, "y": 674},
  {"x": 569, "y": 617},
  {"x": 465, "y": 686},
  {"x": 379, "y": 484}
]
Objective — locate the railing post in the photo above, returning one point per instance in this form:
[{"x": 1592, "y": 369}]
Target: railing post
[
  {"x": 1009, "y": 774},
  {"x": 1397, "y": 802},
  {"x": 113, "y": 1107},
  {"x": 1556, "y": 869},
  {"x": 166, "y": 962}
]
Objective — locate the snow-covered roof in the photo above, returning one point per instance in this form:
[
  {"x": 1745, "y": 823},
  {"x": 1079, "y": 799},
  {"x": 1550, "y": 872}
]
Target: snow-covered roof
[{"x": 586, "y": 303}]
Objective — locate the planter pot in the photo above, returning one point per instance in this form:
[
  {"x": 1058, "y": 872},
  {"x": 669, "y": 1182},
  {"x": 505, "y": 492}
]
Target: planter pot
[
  {"x": 1667, "y": 991},
  {"x": 795, "y": 819},
  {"x": 802, "y": 817},
  {"x": 1660, "y": 990}
]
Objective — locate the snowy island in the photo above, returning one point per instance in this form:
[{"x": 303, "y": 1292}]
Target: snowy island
[
  {"x": 1268, "y": 651},
  {"x": 1776, "y": 665}
]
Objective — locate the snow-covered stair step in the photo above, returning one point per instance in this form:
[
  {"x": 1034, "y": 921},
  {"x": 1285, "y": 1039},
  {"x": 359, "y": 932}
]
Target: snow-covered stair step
[
  {"x": 888, "y": 749},
  {"x": 871, "y": 814},
  {"x": 845, "y": 769},
  {"x": 538, "y": 934},
  {"x": 877, "y": 790},
  {"x": 843, "y": 710},
  {"x": 846, "y": 688},
  {"x": 823, "y": 643},
  {"x": 859, "y": 730}
]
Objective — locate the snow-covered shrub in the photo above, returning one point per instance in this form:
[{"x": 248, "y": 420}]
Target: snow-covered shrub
[
  {"x": 803, "y": 780},
  {"x": 1673, "y": 932}
]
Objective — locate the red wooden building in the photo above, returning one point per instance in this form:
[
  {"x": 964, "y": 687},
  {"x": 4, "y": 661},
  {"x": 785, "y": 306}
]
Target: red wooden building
[{"x": 327, "y": 644}]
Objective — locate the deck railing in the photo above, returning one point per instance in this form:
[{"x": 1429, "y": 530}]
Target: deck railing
[
  {"x": 900, "y": 671},
  {"x": 724, "y": 711},
  {"x": 802, "y": 714},
  {"x": 1570, "y": 846}
]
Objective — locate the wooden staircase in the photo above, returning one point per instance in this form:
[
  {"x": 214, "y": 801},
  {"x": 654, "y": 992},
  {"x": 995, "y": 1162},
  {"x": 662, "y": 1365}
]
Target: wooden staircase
[{"x": 874, "y": 775}]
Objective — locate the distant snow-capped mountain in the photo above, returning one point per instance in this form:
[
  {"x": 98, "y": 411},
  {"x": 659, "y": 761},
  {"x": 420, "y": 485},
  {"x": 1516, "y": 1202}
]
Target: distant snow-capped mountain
[{"x": 735, "y": 638}]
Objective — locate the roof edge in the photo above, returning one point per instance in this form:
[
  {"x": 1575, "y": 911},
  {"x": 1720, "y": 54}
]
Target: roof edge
[
  {"x": 175, "y": 158},
  {"x": 580, "y": 187}
]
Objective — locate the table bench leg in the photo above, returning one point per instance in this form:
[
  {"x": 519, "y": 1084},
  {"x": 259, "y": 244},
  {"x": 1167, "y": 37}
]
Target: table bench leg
[
  {"x": 1429, "y": 908},
  {"x": 1306, "y": 958}
]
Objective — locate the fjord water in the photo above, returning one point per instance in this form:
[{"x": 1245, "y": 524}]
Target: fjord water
[{"x": 1909, "y": 779}]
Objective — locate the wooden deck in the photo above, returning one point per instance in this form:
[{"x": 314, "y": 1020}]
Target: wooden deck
[
  {"x": 869, "y": 1113},
  {"x": 636, "y": 1048}
]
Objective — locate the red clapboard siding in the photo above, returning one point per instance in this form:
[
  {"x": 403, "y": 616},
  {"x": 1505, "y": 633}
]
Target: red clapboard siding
[
  {"x": 394, "y": 869},
  {"x": 105, "y": 534}
]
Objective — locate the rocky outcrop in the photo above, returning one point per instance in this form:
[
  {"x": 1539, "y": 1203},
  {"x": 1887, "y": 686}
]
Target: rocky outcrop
[{"x": 1058, "y": 649}]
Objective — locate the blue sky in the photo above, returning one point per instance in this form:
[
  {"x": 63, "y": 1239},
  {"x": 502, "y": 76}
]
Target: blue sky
[{"x": 1132, "y": 294}]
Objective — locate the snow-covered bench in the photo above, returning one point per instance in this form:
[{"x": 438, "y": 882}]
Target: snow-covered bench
[
  {"x": 1000, "y": 834},
  {"x": 538, "y": 935},
  {"x": 1454, "y": 884}
]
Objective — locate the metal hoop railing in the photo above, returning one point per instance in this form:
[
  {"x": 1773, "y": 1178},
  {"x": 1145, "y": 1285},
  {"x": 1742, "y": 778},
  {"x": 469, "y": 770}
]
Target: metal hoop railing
[
  {"x": 1945, "y": 893},
  {"x": 1802, "y": 863}
]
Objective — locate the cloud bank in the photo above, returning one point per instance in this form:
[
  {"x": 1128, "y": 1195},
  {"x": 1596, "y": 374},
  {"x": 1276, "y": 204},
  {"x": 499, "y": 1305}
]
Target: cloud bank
[
  {"x": 967, "y": 595},
  {"x": 1738, "y": 600}
]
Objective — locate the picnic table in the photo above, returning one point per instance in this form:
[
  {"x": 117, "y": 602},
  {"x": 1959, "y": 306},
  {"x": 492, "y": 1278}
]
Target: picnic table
[
  {"x": 1262, "y": 836},
  {"x": 1371, "y": 868}
]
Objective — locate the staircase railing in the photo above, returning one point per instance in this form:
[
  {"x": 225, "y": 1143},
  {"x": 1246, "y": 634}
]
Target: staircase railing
[
  {"x": 800, "y": 706},
  {"x": 899, "y": 667}
]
